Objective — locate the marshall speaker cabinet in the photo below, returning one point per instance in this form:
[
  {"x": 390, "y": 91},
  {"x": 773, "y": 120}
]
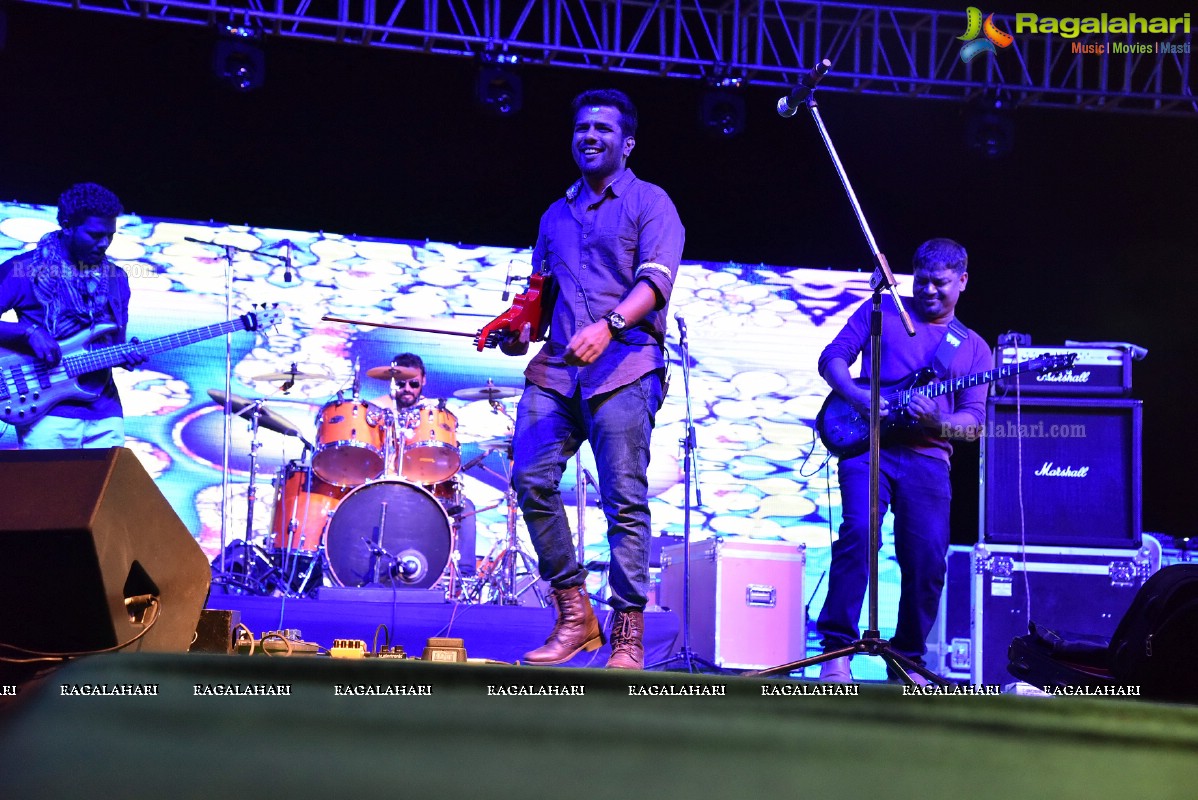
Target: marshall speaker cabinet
[{"x": 1061, "y": 472}]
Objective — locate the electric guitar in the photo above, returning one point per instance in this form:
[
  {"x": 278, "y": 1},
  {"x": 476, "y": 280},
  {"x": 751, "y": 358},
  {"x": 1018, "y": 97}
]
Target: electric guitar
[
  {"x": 29, "y": 387},
  {"x": 845, "y": 432}
]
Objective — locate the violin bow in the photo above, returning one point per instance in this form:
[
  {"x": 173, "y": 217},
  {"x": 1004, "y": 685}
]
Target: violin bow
[{"x": 396, "y": 326}]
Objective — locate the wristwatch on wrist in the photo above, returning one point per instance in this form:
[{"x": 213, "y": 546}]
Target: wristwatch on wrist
[
  {"x": 615, "y": 322},
  {"x": 29, "y": 329}
]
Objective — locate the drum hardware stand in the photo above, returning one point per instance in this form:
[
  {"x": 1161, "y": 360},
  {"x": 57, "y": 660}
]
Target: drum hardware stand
[
  {"x": 255, "y": 412},
  {"x": 303, "y": 587},
  {"x": 686, "y": 656},
  {"x": 319, "y": 557},
  {"x": 503, "y": 577},
  {"x": 581, "y": 479},
  {"x": 580, "y": 503},
  {"x": 246, "y": 582},
  {"x": 871, "y": 641}
]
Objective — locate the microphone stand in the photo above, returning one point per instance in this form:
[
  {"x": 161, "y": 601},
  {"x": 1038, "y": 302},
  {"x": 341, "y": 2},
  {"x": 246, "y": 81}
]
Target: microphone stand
[
  {"x": 871, "y": 641},
  {"x": 230, "y": 252},
  {"x": 686, "y": 657}
]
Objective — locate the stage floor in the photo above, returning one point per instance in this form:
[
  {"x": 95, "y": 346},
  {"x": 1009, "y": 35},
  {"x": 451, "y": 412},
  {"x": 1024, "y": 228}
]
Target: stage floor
[{"x": 148, "y": 726}]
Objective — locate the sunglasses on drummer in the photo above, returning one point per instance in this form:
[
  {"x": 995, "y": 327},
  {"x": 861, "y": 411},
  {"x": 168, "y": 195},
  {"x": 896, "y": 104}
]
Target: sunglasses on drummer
[{"x": 414, "y": 383}]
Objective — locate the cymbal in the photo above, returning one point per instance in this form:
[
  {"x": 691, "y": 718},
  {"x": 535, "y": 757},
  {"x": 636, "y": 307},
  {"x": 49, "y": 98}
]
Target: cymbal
[
  {"x": 486, "y": 393},
  {"x": 496, "y": 443},
  {"x": 267, "y": 419},
  {"x": 393, "y": 371},
  {"x": 293, "y": 375}
]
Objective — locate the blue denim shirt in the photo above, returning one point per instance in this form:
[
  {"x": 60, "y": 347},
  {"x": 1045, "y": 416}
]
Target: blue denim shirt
[{"x": 595, "y": 254}]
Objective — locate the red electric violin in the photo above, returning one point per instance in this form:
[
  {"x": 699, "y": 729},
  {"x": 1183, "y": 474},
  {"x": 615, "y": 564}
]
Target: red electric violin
[{"x": 526, "y": 309}]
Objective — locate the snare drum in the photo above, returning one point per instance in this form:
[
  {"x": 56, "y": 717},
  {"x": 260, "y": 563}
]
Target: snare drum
[
  {"x": 389, "y": 533},
  {"x": 303, "y": 506},
  {"x": 431, "y": 452},
  {"x": 350, "y": 442}
]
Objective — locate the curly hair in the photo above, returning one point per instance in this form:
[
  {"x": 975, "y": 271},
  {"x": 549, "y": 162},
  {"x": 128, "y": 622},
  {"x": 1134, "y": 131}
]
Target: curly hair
[
  {"x": 85, "y": 200},
  {"x": 936, "y": 254},
  {"x": 610, "y": 97}
]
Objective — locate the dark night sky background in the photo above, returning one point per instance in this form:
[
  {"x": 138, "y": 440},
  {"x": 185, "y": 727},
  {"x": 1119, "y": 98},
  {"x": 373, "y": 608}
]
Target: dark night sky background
[{"x": 1084, "y": 231}]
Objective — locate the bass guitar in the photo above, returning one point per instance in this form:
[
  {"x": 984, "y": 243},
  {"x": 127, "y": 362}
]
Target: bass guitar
[
  {"x": 29, "y": 388},
  {"x": 845, "y": 431}
]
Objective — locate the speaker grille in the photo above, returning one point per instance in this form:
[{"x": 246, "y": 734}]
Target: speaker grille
[{"x": 1080, "y": 472}]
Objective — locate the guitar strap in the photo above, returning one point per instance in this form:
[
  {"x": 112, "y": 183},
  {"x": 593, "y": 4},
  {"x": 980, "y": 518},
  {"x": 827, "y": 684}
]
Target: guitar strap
[{"x": 954, "y": 337}]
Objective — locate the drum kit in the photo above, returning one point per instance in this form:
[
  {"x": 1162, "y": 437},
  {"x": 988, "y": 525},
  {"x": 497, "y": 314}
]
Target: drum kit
[{"x": 377, "y": 500}]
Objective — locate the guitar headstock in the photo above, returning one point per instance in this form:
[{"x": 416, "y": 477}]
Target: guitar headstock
[
  {"x": 262, "y": 318},
  {"x": 1047, "y": 363}
]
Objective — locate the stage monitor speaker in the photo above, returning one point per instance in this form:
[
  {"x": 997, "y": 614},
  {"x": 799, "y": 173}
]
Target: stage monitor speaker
[
  {"x": 1079, "y": 464},
  {"x": 86, "y": 537}
]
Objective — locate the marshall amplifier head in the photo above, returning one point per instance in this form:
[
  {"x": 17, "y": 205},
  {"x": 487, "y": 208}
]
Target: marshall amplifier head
[
  {"x": 1096, "y": 372},
  {"x": 1061, "y": 472}
]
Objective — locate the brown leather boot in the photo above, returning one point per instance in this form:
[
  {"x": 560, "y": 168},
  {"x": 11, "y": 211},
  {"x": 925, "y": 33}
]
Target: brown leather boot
[
  {"x": 576, "y": 629},
  {"x": 627, "y": 641}
]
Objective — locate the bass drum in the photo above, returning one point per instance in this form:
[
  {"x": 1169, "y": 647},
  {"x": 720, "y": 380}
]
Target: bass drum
[{"x": 389, "y": 533}]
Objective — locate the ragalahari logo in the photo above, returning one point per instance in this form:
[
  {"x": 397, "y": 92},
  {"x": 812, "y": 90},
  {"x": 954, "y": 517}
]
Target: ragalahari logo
[{"x": 975, "y": 27}]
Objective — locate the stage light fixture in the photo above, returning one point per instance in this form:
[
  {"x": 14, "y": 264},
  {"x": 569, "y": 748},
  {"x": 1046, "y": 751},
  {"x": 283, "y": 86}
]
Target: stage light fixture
[
  {"x": 238, "y": 60},
  {"x": 722, "y": 113},
  {"x": 499, "y": 89},
  {"x": 989, "y": 129}
]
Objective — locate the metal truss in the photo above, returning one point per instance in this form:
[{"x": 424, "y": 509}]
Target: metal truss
[{"x": 878, "y": 50}]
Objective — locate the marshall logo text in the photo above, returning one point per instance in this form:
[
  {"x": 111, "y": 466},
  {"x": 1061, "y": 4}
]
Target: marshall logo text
[{"x": 1049, "y": 470}]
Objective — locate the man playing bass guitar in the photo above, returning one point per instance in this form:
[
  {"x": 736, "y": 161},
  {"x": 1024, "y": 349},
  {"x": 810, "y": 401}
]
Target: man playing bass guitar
[
  {"x": 914, "y": 470},
  {"x": 64, "y": 285}
]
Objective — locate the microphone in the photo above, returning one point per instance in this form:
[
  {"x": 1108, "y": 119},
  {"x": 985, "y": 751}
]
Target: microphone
[
  {"x": 681, "y": 329},
  {"x": 286, "y": 260},
  {"x": 789, "y": 105},
  {"x": 507, "y": 283},
  {"x": 474, "y": 462},
  {"x": 409, "y": 567}
]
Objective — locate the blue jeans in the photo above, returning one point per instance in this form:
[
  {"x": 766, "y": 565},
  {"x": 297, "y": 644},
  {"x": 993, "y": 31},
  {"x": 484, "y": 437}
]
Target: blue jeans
[
  {"x": 64, "y": 433},
  {"x": 918, "y": 489},
  {"x": 549, "y": 430}
]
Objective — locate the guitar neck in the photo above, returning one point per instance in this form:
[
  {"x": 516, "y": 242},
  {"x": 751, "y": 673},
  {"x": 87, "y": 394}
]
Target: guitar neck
[
  {"x": 107, "y": 357},
  {"x": 968, "y": 381}
]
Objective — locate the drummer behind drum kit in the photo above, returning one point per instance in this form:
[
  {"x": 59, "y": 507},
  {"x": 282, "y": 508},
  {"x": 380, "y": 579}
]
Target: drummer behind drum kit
[{"x": 378, "y": 503}]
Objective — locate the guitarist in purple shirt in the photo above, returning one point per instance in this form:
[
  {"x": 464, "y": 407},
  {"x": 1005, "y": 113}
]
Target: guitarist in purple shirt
[
  {"x": 64, "y": 285},
  {"x": 914, "y": 470}
]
